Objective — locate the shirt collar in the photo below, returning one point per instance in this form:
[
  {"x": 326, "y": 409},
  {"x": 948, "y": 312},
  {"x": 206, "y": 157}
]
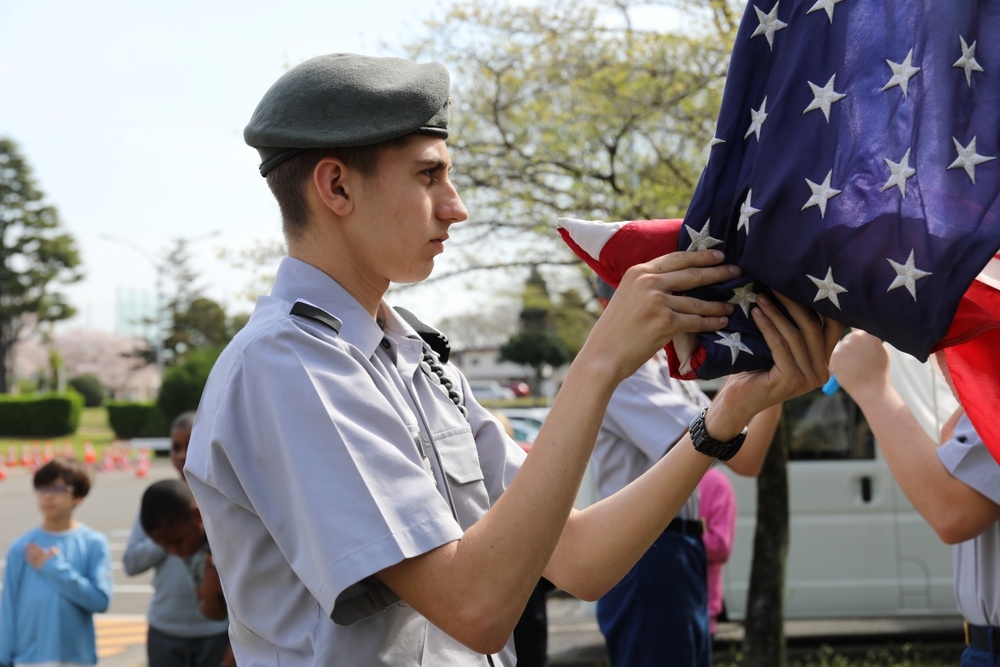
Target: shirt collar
[{"x": 298, "y": 280}]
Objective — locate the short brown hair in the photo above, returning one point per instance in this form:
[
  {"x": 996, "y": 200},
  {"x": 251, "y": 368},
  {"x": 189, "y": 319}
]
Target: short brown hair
[
  {"x": 288, "y": 179},
  {"x": 69, "y": 470}
]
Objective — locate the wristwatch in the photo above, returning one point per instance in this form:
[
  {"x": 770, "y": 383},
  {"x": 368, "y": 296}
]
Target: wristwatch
[{"x": 708, "y": 445}]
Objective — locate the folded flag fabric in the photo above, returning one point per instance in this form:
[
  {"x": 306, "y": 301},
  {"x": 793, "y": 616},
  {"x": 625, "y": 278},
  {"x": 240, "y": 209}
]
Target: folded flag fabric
[{"x": 854, "y": 169}]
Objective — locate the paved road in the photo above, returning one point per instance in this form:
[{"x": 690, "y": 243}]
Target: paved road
[{"x": 111, "y": 508}]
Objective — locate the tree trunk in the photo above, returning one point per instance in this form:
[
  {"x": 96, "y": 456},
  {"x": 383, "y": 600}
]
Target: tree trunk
[
  {"x": 764, "y": 639},
  {"x": 6, "y": 360}
]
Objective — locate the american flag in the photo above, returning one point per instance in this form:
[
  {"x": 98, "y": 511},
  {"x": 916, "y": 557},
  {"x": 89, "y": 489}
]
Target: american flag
[{"x": 854, "y": 169}]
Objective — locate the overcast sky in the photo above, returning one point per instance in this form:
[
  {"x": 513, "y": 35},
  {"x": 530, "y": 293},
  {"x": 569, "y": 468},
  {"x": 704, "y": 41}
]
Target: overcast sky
[{"x": 131, "y": 115}]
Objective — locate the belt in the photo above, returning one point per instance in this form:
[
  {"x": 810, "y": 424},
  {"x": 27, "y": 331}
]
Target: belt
[
  {"x": 690, "y": 527},
  {"x": 983, "y": 637}
]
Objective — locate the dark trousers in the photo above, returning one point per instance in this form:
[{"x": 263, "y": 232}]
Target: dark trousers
[
  {"x": 163, "y": 650},
  {"x": 977, "y": 657},
  {"x": 531, "y": 634},
  {"x": 657, "y": 616}
]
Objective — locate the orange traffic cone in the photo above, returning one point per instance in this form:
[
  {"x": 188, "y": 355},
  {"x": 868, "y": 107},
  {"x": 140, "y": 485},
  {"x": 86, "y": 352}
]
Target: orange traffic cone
[
  {"x": 142, "y": 463},
  {"x": 3, "y": 474},
  {"x": 89, "y": 454},
  {"x": 12, "y": 456},
  {"x": 26, "y": 459}
]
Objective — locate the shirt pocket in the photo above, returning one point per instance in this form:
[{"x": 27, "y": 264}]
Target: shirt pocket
[{"x": 464, "y": 473}]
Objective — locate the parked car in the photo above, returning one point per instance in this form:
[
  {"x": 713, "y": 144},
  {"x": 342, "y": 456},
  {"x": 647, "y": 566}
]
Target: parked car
[
  {"x": 520, "y": 389},
  {"x": 489, "y": 390},
  {"x": 524, "y": 432},
  {"x": 534, "y": 416}
]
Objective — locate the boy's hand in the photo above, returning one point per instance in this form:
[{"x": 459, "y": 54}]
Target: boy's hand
[
  {"x": 229, "y": 660},
  {"x": 801, "y": 350},
  {"x": 646, "y": 313},
  {"x": 860, "y": 362},
  {"x": 38, "y": 556}
]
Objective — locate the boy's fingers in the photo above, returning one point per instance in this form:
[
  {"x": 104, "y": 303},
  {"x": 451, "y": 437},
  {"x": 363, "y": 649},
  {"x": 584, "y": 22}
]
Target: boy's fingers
[
  {"x": 687, "y": 270},
  {"x": 680, "y": 260},
  {"x": 686, "y": 305},
  {"x": 789, "y": 350}
]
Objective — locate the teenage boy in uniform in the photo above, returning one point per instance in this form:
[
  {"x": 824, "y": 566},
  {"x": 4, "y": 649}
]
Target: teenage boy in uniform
[
  {"x": 362, "y": 507},
  {"x": 954, "y": 484}
]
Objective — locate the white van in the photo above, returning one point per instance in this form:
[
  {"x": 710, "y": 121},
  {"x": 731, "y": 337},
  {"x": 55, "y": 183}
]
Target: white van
[{"x": 857, "y": 547}]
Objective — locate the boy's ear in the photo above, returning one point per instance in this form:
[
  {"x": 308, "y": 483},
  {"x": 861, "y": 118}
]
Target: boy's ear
[{"x": 333, "y": 183}]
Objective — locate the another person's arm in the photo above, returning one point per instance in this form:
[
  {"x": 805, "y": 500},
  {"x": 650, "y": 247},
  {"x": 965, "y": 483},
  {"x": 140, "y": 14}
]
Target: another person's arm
[
  {"x": 141, "y": 553},
  {"x": 90, "y": 589},
  {"x": 475, "y": 588},
  {"x": 211, "y": 601},
  {"x": 760, "y": 432},
  {"x": 954, "y": 510}
]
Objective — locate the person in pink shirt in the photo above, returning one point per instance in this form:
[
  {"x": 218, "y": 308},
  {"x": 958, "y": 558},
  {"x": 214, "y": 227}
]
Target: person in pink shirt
[{"x": 718, "y": 511}]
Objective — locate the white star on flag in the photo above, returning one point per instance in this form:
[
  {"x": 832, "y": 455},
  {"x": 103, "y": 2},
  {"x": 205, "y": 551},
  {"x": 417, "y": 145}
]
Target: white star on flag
[
  {"x": 968, "y": 158},
  {"x": 746, "y": 212},
  {"x": 757, "y": 118},
  {"x": 733, "y": 342},
  {"x": 900, "y": 171},
  {"x": 828, "y": 5},
  {"x": 821, "y": 194},
  {"x": 743, "y": 296},
  {"x": 701, "y": 240},
  {"x": 907, "y": 275},
  {"x": 968, "y": 61},
  {"x": 901, "y": 73},
  {"x": 827, "y": 288},
  {"x": 824, "y": 97},
  {"x": 769, "y": 24}
]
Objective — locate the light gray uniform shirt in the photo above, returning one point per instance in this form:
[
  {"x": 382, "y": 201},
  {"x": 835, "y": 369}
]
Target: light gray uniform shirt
[
  {"x": 648, "y": 412},
  {"x": 322, "y": 456},
  {"x": 977, "y": 561}
]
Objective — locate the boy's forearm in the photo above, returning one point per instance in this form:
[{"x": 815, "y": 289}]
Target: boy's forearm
[{"x": 602, "y": 542}]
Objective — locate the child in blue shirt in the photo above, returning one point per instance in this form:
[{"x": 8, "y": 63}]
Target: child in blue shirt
[{"x": 57, "y": 577}]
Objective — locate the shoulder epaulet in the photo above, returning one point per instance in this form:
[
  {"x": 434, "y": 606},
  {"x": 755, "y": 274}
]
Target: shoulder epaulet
[
  {"x": 434, "y": 338},
  {"x": 304, "y": 309}
]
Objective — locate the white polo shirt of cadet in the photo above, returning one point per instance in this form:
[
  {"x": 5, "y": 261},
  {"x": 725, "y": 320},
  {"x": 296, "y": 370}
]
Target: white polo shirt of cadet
[
  {"x": 648, "y": 412},
  {"x": 306, "y": 462},
  {"x": 977, "y": 561}
]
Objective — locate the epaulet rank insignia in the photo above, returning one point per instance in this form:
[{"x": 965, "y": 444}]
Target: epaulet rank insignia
[{"x": 305, "y": 309}]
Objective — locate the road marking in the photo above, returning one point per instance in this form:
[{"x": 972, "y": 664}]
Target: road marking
[{"x": 116, "y": 633}]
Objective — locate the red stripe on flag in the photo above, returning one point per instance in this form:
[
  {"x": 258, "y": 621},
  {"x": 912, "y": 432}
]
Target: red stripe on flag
[{"x": 973, "y": 359}]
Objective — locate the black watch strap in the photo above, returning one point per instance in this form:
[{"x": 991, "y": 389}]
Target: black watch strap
[{"x": 708, "y": 445}]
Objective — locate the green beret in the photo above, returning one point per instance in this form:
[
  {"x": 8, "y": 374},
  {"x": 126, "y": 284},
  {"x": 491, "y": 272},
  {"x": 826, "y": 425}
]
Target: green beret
[{"x": 343, "y": 99}]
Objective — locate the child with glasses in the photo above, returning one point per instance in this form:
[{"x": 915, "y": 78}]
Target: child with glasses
[{"x": 57, "y": 577}]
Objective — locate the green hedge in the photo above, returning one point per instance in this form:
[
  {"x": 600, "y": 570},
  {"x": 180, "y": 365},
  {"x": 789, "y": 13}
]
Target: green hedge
[
  {"x": 135, "y": 419},
  {"x": 42, "y": 416}
]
